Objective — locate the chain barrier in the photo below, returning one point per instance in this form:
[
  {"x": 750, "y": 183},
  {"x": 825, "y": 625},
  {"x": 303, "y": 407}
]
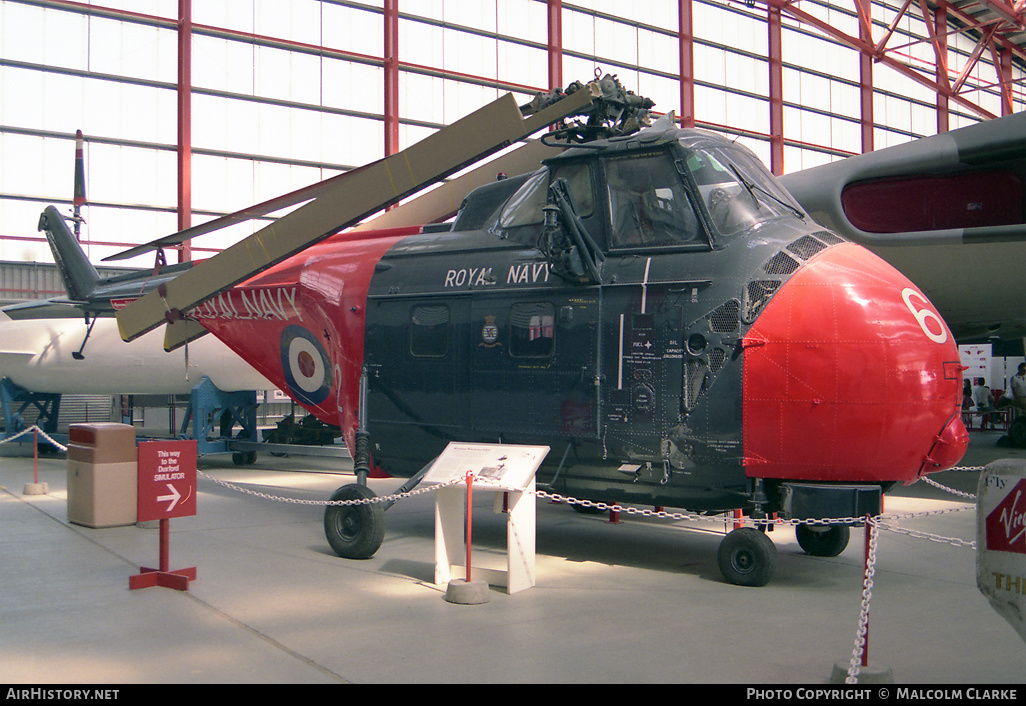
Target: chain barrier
[
  {"x": 603, "y": 506},
  {"x": 355, "y": 501},
  {"x": 47, "y": 437},
  {"x": 628, "y": 509},
  {"x": 875, "y": 524},
  {"x": 960, "y": 493}
]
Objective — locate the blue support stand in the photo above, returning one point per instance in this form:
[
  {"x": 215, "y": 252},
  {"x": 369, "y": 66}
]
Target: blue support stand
[
  {"x": 15, "y": 400},
  {"x": 212, "y": 416}
]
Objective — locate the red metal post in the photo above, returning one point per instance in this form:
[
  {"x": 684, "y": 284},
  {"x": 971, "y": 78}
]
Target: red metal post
[
  {"x": 391, "y": 54},
  {"x": 866, "y": 113},
  {"x": 184, "y": 123},
  {"x": 470, "y": 501},
  {"x": 555, "y": 43},
  {"x": 776, "y": 91},
  {"x": 686, "y": 43},
  {"x": 940, "y": 24},
  {"x": 165, "y": 545},
  {"x": 1003, "y": 65},
  {"x": 35, "y": 455},
  {"x": 865, "y": 569}
]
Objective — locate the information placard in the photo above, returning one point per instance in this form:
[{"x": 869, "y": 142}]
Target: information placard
[
  {"x": 167, "y": 479},
  {"x": 512, "y": 466}
]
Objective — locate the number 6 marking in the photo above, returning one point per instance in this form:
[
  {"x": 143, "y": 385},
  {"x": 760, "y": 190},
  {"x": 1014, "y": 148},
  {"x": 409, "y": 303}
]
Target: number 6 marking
[{"x": 921, "y": 316}]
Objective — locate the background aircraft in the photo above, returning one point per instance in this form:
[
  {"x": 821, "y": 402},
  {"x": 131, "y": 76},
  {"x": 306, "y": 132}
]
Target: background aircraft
[
  {"x": 70, "y": 345},
  {"x": 39, "y": 355},
  {"x": 949, "y": 211}
]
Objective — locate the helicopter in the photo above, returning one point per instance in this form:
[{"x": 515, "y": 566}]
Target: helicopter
[{"x": 650, "y": 303}]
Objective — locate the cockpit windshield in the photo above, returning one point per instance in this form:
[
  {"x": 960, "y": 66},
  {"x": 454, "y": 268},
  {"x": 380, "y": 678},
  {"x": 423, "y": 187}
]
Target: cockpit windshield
[
  {"x": 738, "y": 191},
  {"x": 648, "y": 203}
]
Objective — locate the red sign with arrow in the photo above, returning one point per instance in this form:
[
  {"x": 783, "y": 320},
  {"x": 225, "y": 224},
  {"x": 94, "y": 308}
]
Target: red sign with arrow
[
  {"x": 167, "y": 479},
  {"x": 167, "y": 488}
]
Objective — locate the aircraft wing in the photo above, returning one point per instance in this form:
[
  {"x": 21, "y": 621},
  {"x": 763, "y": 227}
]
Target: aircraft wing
[
  {"x": 949, "y": 211},
  {"x": 966, "y": 185},
  {"x": 351, "y": 197},
  {"x": 45, "y": 309}
]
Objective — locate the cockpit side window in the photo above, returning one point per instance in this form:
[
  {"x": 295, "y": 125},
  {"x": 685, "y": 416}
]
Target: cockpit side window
[
  {"x": 524, "y": 208},
  {"x": 649, "y": 206}
]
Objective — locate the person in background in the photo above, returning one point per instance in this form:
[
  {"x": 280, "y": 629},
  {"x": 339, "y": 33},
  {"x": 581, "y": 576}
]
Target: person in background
[
  {"x": 1018, "y": 386},
  {"x": 983, "y": 402}
]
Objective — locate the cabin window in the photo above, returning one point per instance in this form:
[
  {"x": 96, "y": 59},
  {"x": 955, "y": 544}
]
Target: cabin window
[
  {"x": 429, "y": 331},
  {"x": 532, "y": 330},
  {"x": 648, "y": 204}
]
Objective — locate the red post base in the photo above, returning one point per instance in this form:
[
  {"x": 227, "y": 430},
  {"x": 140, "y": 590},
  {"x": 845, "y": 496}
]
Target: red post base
[
  {"x": 163, "y": 576},
  {"x": 147, "y": 578}
]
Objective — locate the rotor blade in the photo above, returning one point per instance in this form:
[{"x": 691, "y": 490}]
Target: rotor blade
[
  {"x": 249, "y": 213},
  {"x": 444, "y": 201},
  {"x": 355, "y": 195}
]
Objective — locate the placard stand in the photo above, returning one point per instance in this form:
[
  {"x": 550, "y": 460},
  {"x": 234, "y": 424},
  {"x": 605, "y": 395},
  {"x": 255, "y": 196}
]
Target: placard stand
[
  {"x": 506, "y": 471},
  {"x": 146, "y": 578},
  {"x": 166, "y": 489}
]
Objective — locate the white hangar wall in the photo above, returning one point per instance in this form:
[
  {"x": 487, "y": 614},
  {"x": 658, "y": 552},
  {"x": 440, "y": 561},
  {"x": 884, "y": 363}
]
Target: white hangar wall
[{"x": 283, "y": 93}]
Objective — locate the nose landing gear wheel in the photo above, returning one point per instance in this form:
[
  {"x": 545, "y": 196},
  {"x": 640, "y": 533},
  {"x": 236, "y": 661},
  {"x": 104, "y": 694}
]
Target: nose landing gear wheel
[
  {"x": 354, "y": 531},
  {"x": 747, "y": 557}
]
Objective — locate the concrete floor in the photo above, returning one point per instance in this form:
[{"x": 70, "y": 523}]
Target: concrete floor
[{"x": 641, "y": 601}]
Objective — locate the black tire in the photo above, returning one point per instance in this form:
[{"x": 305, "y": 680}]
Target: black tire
[
  {"x": 822, "y": 540},
  {"x": 747, "y": 557},
  {"x": 354, "y": 531},
  {"x": 1017, "y": 432}
]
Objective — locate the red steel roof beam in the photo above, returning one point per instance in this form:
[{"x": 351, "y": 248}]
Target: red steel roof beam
[{"x": 860, "y": 45}]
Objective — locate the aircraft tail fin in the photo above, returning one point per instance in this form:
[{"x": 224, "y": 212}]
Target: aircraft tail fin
[{"x": 79, "y": 275}]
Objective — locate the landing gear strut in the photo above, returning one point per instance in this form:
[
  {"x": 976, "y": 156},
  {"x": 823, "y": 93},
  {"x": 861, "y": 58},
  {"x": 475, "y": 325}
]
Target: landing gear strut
[{"x": 356, "y": 531}]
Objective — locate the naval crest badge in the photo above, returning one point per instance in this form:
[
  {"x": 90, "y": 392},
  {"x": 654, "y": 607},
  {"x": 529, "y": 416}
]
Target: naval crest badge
[{"x": 490, "y": 333}]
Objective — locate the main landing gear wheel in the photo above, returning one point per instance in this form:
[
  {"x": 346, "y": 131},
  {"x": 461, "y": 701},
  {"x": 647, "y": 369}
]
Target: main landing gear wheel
[
  {"x": 747, "y": 557},
  {"x": 354, "y": 531},
  {"x": 244, "y": 458},
  {"x": 1017, "y": 432},
  {"x": 822, "y": 540}
]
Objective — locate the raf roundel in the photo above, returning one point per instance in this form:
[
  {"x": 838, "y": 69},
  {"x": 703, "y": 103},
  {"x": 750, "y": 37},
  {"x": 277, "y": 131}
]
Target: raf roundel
[{"x": 306, "y": 365}]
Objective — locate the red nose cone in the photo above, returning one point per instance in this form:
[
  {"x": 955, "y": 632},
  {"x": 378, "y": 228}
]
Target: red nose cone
[
  {"x": 850, "y": 375},
  {"x": 950, "y": 447}
]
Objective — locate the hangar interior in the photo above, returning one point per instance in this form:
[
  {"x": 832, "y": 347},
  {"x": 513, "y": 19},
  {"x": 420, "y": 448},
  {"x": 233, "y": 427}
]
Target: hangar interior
[
  {"x": 193, "y": 110},
  {"x": 190, "y": 111}
]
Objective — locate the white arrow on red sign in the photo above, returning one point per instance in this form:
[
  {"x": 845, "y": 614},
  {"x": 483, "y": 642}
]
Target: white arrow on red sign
[{"x": 174, "y": 497}]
